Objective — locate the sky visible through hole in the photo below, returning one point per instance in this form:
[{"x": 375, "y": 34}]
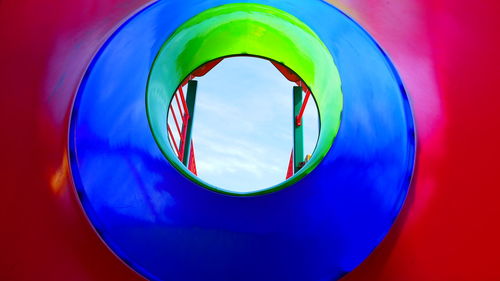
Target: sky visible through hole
[{"x": 243, "y": 128}]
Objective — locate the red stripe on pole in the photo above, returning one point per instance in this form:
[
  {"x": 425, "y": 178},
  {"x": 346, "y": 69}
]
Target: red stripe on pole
[
  {"x": 289, "y": 173},
  {"x": 192, "y": 160},
  {"x": 298, "y": 119}
]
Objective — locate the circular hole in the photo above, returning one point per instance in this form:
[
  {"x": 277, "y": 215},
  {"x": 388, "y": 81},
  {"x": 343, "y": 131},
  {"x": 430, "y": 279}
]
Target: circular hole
[
  {"x": 286, "y": 40},
  {"x": 234, "y": 123}
]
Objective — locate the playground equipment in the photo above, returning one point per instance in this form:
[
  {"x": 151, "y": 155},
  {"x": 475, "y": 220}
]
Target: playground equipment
[
  {"x": 179, "y": 127},
  {"x": 167, "y": 226},
  {"x": 168, "y": 212}
]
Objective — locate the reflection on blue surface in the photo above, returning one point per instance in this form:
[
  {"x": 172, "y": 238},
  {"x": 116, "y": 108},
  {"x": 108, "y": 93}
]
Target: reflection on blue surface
[{"x": 168, "y": 228}]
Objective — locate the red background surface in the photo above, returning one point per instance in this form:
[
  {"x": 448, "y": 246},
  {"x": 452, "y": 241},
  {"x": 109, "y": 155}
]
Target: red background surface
[{"x": 446, "y": 52}]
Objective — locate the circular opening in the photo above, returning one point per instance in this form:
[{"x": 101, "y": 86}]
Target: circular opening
[
  {"x": 243, "y": 124},
  {"x": 248, "y": 30}
]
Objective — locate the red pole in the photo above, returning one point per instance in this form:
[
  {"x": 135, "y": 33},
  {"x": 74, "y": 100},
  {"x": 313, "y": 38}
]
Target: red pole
[
  {"x": 289, "y": 173},
  {"x": 175, "y": 119},
  {"x": 192, "y": 160},
  {"x": 173, "y": 140},
  {"x": 184, "y": 104},
  {"x": 298, "y": 119},
  {"x": 178, "y": 103}
]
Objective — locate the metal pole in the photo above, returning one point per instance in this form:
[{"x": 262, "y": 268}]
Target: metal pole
[
  {"x": 298, "y": 130},
  {"x": 190, "y": 101}
]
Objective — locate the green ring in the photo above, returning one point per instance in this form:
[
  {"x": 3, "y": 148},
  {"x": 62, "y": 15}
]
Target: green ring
[{"x": 245, "y": 29}]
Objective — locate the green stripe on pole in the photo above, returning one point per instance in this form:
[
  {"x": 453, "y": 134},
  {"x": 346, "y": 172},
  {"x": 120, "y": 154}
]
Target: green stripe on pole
[
  {"x": 298, "y": 131},
  {"x": 190, "y": 101}
]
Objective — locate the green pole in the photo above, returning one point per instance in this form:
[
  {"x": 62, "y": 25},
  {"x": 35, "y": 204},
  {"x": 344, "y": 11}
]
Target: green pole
[
  {"x": 190, "y": 101},
  {"x": 298, "y": 131}
]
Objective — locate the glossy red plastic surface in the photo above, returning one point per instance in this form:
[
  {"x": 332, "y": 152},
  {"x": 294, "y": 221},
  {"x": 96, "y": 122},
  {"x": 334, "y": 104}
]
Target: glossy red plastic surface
[
  {"x": 45, "y": 48},
  {"x": 445, "y": 51},
  {"x": 447, "y": 55}
]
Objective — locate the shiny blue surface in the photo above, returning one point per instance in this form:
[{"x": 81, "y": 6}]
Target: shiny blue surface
[{"x": 168, "y": 228}]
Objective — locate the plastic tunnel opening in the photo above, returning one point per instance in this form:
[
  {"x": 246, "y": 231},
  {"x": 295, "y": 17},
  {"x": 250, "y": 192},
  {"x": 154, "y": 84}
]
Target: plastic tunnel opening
[
  {"x": 195, "y": 49},
  {"x": 243, "y": 124}
]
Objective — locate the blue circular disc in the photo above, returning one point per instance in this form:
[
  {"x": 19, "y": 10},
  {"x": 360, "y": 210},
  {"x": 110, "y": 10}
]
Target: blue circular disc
[{"x": 169, "y": 228}]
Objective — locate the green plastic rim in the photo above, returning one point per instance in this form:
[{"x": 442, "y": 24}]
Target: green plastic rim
[{"x": 254, "y": 30}]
